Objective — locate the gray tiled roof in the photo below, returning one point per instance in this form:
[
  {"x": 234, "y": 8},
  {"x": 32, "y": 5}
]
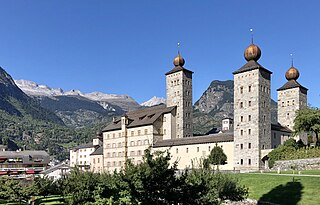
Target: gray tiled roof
[
  {"x": 27, "y": 156},
  {"x": 278, "y": 127},
  {"x": 215, "y": 138},
  {"x": 98, "y": 151},
  {"x": 141, "y": 117},
  {"x": 293, "y": 84},
  {"x": 56, "y": 167},
  {"x": 178, "y": 68},
  {"x": 251, "y": 65},
  {"x": 84, "y": 146}
]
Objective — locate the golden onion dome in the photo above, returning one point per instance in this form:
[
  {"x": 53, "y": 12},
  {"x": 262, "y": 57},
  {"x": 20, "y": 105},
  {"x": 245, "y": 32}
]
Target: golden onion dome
[
  {"x": 292, "y": 73},
  {"x": 253, "y": 52},
  {"x": 178, "y": 61}
]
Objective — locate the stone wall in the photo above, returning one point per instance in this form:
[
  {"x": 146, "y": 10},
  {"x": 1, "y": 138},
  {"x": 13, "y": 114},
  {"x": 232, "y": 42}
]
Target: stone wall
[{"x": 299, "y": 164}]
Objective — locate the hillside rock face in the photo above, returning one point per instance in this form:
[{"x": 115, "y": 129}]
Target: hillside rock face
[
  {"x": 154, "y": 101},
  {"x": 78, "y": 109},
  {"x": 15, "y": 102},
  {"x": 215, "y": 104}
]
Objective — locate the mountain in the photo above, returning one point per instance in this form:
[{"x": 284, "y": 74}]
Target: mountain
[
  {"x": 154, "y": 101},
  {"x": 78, "y": 109},
  {"x": 215, "y": 104},
  {"x": 15, "y": 102}
]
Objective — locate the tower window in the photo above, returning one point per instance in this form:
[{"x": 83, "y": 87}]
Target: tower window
[
  {"x": 288, "y": 103},
  {"x": 249, "y": 131},
  {"x": 249, "y": 103},
  {"x": 241, "y": 118},
  {"x": 177, "y": 150},
  {"x": 241, "y": 161},
  {"x": 264, "y": 118},
  {"x": 241, "y": 89},
  {"x": 249, "y": 117},
  {"x": 249, "y": 88},
  {"x": 187, "y": 150},
  {"x": 292, "y": 102},
  {"x": 241, "y": 104},
  {"x": 241, "y": 132},
  {"x": 288, "y": 115},
  {"x": 241, "y": 146},
  {"x": 249, "y": 145},
  {"x": 282, "y": 104},
  {"x": 249, "y": 161}
]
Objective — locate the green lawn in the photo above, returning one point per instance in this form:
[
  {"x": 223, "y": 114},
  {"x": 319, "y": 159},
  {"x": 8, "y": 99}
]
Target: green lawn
[
  {"x": 309, "y": 172},
  {"x": 51, "y": 200},
  {"x": 282, "y": 189}
]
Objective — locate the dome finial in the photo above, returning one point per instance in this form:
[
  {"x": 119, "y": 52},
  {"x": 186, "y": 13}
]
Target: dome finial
[
  {"x": 178, "y": 61},
  {"x": 252, "y": 52},
  {"x": 292, "y": 73}
]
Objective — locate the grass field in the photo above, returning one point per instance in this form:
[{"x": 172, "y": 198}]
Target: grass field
[
  {"x": 52, "y": 200},
  {"x": 308, "y": 172},
  {"x": 280, "y": 189}
]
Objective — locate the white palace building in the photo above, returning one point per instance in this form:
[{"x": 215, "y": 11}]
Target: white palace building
[{"x": 246, "y": 140}]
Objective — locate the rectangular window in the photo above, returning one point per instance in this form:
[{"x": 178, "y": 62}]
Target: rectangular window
[
  {"x": 187, "y": 150},
  {"x": 177, "y": 151},
  {"x": 132, "y": 133},
  {"x": 139, "y": 132},
  {"x": 249, "y": 145},
  {"x": 241, "y": 90},
  {"x": 249, "y": 88},
  {"x": 249, "y": 103},
  {"x": 241, "y": 119},
  {"x": 98, "y": 160},
  {"x": 146, "y": 131},
  {"x": 249, "y": 161},
  {"x": 241, "y": 132},
  {"x": 241, "y": 146},
  {"x": 241, "y": 161},
  {"x": 249, "y": 131},
  {"x": 209, "y": 148},
  {"x": 241, "y": 104},
  {"x": 198, "y": 149},
  {"x": 249, "y": 117}
]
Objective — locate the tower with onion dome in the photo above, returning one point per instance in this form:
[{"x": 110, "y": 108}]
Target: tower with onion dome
[
  {"x": 291, "y": 97},
  {"x": 179, "y": 94},
  {"x": 252, "y": 117}
]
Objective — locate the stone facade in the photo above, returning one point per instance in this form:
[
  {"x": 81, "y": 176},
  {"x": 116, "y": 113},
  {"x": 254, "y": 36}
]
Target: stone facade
[
  {"x": 298, "y": 164},
  {"x": 179, "y": 93},
  {"x": 252, "y": 118},
  {"x": 289, "y": 102}
]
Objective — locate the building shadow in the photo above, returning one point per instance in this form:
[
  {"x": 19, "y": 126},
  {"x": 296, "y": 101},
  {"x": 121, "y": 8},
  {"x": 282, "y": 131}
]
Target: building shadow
[{"x": 288, "y": 194}]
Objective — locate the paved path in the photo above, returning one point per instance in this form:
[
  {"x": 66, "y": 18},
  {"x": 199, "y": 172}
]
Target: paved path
[{"x": 292, "y": 175}]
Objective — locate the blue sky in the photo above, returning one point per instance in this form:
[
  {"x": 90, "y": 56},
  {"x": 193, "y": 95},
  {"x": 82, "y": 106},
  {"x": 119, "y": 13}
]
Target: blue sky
[{"x": 125, "y": 47}]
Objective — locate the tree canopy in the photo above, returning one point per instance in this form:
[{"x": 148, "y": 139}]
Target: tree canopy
[{"x": 308, "y": 120}]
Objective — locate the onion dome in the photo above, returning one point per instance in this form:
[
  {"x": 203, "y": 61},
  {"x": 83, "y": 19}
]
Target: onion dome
[
  {"x": 292, "y": 73},
  {"x": 253, "y": 52},
  {"x": 178, "y": 61}
]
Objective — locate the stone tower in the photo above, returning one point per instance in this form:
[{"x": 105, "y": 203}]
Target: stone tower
[
  {"x": 179, "y": 93},
  {"x": 252, "y": 118},
  {"x": 291, "y": 97}
]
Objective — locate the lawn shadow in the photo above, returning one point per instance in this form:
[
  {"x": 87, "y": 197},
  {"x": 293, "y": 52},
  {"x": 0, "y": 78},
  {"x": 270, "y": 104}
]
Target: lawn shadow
[{"x": 288, "y": 194}]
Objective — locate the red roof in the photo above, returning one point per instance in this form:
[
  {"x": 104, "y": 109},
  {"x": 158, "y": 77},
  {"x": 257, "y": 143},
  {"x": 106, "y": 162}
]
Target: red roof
[{"x": 30, "y": 172}]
